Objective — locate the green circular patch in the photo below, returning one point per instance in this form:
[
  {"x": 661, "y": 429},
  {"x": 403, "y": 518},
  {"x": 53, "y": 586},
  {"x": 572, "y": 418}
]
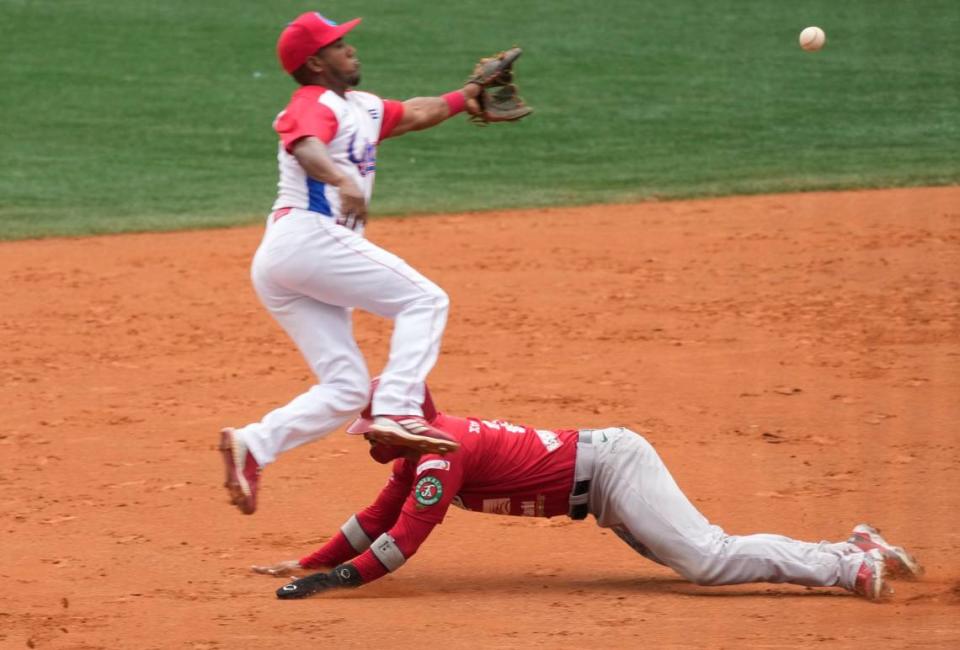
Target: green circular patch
[{"x": 428, "y": 490}]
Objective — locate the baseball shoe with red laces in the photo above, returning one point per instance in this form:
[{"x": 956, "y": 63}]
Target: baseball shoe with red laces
[
  {"x": 413, "y": 432},
  {"x": 243, "y": 472},
  {"x": 898, "y": 562},
  {"x": 871, "y": 577}
]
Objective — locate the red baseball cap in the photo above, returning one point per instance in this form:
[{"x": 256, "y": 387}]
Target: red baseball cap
[
  {"x": 362, "y": 423},
  {"x": 304, "y": 36}
]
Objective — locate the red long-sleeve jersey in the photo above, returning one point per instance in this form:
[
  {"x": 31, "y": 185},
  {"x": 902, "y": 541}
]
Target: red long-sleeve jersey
[{"x": 500, "y": 468}]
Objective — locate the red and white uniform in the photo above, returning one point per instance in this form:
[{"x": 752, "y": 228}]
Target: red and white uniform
[
  {"x": 512, "y": 469},
  {"x": 351, "y": 127},
  {"x": 500, "y": 468},
  {"x": 310, "y": 272}
]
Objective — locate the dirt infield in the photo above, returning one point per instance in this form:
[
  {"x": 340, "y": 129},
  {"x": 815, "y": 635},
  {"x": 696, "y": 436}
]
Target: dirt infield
[{"x": 795, "y": 359}]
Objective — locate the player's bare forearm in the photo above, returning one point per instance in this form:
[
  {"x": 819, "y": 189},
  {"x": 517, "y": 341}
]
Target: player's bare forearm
[
  {"x": 423, "y": 112},
  {"x": 313, "y": 156}
]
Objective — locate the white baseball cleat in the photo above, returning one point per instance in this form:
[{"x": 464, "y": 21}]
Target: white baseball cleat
[
  {"x": 871, "y": 577},
  {"x": 898, "y": 562}
]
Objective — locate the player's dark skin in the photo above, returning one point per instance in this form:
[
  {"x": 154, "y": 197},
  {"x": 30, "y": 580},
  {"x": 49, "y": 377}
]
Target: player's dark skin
[{"x": 337, "y": 68}]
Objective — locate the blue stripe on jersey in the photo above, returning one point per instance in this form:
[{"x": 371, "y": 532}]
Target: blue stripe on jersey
[{"x": 318, "y": 198}]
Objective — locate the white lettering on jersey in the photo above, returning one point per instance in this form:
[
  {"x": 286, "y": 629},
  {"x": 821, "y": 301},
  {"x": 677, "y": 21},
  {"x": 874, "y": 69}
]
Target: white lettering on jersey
[
  {"x": 366, "y": 162},
  {"x": 436, "y": 463},
  {"x": 549, "y": 440},
  {"x": 504, "y": 426},
  {"x": 528, "y": 508}
]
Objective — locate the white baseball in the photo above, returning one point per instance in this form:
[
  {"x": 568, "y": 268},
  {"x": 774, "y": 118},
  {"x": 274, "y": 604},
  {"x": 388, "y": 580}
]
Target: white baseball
[{"x": 812, "y": 39}]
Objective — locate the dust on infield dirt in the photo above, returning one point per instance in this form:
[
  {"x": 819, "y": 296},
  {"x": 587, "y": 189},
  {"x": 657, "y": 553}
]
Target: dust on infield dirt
[{"x": 795, "y": 359}]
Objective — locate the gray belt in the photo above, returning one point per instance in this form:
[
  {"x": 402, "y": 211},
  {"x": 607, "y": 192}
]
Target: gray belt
[{"x": 582, "y": 475}]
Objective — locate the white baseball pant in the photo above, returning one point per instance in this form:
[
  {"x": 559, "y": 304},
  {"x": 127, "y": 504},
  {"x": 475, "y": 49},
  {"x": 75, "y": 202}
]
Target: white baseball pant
[
  {"x": 632, "y": 492},
  {"x": 309, "y": 273}
]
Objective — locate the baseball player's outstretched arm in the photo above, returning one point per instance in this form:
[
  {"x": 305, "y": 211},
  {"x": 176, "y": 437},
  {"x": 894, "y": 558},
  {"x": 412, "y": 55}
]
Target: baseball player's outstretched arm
[
  {"x": 358, "y": 532},
  {"x": 392, "y": 549},
  {"x": 353, "y": 538},
  {"x": 388, "y": 553},
  {"x": 423, "y": 112}
]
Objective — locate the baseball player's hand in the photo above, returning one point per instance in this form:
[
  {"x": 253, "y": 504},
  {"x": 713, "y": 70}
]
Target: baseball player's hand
[
  {"x": 353, "y": 205},
  {"x": 471, "y": 92},
  {"x": 344, "y": 575},
  {"x": 285, "y": 568}
]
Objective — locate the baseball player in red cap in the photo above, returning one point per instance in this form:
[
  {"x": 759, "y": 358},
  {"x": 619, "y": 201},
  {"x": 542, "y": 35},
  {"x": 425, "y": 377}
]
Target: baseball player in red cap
[
  {"x": 314, "y": 265},
  {"x": 613, "y": 474}
]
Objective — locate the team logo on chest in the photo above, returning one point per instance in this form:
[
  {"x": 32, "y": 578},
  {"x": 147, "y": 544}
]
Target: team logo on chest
[
  {"x": 428, "y": 490},
  {"x": 366, "y": 162}
]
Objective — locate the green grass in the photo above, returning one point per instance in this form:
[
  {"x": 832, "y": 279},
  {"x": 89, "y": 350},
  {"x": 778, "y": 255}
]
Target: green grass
[{"x": 135, "y": 115}]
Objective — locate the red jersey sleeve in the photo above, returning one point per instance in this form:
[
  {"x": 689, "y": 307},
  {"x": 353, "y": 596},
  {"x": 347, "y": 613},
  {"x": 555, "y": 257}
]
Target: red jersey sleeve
[
  {"x": 436, "y": 481},
  {"x": 435, "y": 484},
  {"x": 303, "y": 118},
  {"x": 334, "y": 552},
  {"x": 382, "y": 514},
  {"x": 375, "y": 519},
  {"x": 408, "y": 534},
  {"x": 392, "y": 114}
]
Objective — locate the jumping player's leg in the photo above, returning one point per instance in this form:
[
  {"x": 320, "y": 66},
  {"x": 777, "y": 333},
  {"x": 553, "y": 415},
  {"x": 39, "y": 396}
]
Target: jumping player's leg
[
  {"x": 306, "y": 261},
  {"x": 419, "y": 311},
  {"x": 338, "y": 267},
  {"x": 324, "y": 335},
  {"x": 633, "y": 492},
  {"x": 393, "y": 289}
]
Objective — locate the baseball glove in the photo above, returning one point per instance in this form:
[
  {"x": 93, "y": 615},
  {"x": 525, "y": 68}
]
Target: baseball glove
[
  {"x": 499, "y": 99},
  {"x": 345, "y": 575}
]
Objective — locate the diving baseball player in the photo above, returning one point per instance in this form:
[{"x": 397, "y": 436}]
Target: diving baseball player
[
  {"x": 314, "y": 265},
  {"x": 613, "y": 474}
]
